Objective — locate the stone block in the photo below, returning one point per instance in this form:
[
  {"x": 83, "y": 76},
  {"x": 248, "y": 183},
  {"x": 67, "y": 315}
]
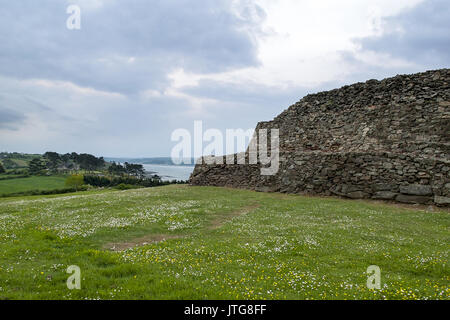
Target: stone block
[
  {"x": 417, "y": 190},
  {"x": 385, "y": 187},
  {"x": 442, "y": 201},
  {"x": 357, "y": 195},
  {"x": 413, "y": 199}
]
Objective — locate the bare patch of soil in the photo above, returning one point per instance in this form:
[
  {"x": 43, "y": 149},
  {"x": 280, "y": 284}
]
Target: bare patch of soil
[{"x": 142, "y": 241}]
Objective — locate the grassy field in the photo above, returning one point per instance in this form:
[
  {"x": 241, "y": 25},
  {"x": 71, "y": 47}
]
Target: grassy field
[
  {"x": 181, "y": 242},
  {"x": 31, "y": 183}
]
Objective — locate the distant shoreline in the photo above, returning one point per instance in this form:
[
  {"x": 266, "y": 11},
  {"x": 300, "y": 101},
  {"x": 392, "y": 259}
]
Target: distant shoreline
[
  {"x": 153, "y": 161},
  {"x": 170, "y": 172}
]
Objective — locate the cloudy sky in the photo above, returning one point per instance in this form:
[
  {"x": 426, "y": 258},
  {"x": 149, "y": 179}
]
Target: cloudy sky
[{"x": 139, "y": 69}]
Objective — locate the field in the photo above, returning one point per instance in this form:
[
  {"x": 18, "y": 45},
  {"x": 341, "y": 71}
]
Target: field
[
  {"x": 181, "y": 242},
  {"x": 31, "y": 183}
]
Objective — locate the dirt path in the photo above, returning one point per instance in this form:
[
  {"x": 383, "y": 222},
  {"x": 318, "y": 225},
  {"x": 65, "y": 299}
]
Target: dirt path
[
  {"x": 141, "y": 241},
  {"x": 221, "y": 219}
]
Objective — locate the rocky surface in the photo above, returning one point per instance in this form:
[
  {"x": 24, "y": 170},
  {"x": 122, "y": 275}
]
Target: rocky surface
[{"x": 386, "y": 140}]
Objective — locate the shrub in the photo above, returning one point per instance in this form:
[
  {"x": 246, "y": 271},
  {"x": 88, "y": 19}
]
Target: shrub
[
  {"x": 22, "y": 171},
  {"x": 124, "y": 186},
  {"x": 100, "y": 181},
  {"x": 75, "y": 181}
]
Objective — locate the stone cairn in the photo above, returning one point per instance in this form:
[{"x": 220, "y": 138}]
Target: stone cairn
[{"x": 387, "y": 140}]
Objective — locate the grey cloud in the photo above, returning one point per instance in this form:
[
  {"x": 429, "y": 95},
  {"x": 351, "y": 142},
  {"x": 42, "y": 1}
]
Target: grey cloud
[
  {"x": 162, "y": 35},
  {"x": 10, "y": 119},
  {"x": 250, "y": 93},
  {"x": 38, "y": 106},
  {"x": 420, "y": 35}
]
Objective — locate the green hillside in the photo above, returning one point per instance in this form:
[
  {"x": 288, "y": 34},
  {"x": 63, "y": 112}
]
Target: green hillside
[
  {"x": 31, "y": 183},
  {"x": 181, "y": 242}
]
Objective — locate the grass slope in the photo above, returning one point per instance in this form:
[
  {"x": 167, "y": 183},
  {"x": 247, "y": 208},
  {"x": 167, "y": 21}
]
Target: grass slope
[
  {"x": 219, "y": 244},
  {"x": 31, "y": 183}
]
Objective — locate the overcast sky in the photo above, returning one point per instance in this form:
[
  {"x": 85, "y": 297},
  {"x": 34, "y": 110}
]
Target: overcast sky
[{"x": 139, "y": 69}]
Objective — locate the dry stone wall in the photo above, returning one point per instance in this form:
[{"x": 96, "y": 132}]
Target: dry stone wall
[{"x": 386, "y": 139}]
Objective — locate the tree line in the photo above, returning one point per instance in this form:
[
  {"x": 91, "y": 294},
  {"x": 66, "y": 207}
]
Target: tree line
[
  {"x": 73, "y": 161},
  {"x": 53, "y": 162},
  {"x": 56, "y": 163},
  {"x": 130, "y": 169},
  {"x": 101, "y": 181}
]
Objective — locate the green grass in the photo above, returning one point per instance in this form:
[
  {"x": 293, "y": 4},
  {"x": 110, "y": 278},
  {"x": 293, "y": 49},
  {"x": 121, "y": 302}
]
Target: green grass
[
  {"x": 220, "y": 244},
  {"x": 31, "y": 183},
  {"x": 11, "y": 176}
]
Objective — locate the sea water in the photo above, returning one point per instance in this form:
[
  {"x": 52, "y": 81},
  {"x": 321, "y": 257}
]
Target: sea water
[{"x": 168, "y": 172}]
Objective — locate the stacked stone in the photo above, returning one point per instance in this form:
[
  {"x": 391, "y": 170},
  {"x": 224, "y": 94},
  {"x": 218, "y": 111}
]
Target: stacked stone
[{"x": 386, "y": 139}]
